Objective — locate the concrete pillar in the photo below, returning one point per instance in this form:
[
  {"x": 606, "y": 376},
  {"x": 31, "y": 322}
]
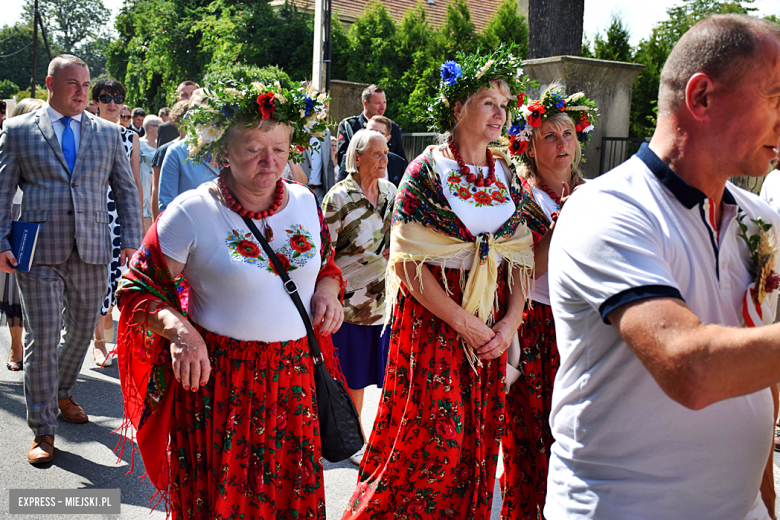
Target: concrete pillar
[
  {"x": 607, "y": 83},
  {"x": 345, "y": 99}
]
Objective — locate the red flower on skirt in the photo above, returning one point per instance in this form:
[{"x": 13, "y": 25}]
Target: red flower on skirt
[
  {"x": 266, "y": 102},
  {"x": 299, "y": 243},
  {"x": 307, "y": 473},
  {"x": 445, "y": 428},
  {"x": 248, "y": 248},
  {"x": 481, "y": 197},
  {"x": 416, "y": 508},
  {"x": 284, "y": 260}
]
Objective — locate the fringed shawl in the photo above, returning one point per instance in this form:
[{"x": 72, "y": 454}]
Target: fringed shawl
[{"x": 427, "y": 230}]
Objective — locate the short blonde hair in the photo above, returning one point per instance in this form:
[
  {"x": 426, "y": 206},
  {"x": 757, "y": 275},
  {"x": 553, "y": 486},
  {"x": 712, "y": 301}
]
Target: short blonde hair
[{"x": 26, "y": 106}]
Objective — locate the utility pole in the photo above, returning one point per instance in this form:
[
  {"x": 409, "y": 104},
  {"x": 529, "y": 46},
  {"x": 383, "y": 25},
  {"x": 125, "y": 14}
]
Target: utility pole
[
  {"x": 320, "y": 76},
  {"x": 35, "y": 48},
  {"x": 37, "y": 22}
]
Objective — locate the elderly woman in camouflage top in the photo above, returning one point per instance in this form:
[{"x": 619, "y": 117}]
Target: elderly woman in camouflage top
[{"x": 358, "y": 211}]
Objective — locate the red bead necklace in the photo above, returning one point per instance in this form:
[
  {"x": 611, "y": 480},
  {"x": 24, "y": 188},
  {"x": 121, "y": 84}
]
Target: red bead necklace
[
  {"x": 238, "y": 208},
  {"x": 554, "y": 196},
  {"x": 465, "y": 170}
]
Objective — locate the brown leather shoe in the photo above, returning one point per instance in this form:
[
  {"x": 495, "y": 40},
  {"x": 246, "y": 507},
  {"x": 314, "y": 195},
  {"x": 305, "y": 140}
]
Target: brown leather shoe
[
  {"x": 42, "y": 450},
  {"x": 71, "y": 411}
]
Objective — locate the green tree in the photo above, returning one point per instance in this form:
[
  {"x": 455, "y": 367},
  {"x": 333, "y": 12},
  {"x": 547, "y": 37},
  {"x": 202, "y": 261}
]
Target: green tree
[
  {"x": 458, "y": 30},
  {"x": 16, "y": 51},
  {"x": 373, "y": 56},
  {"x": 70, "y": 22},
  {"x": 507, "y": 26},
  {"x": 421, "y": 49},
  {"x": 617, "y": 44},
  {"x": 653, "y": 51},
  {"x": 8, "y": 88}
]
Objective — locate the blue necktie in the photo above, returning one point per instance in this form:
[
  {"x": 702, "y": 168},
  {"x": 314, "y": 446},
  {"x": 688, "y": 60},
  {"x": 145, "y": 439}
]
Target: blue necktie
[{"x": 68, "y": 143}]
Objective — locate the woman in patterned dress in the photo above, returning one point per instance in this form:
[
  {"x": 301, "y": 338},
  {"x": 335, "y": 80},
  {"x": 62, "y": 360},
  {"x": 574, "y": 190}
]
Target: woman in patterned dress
[
  {"x": 108, "y": 95},
  {"x": 358, "y": 211},
  {"x": 548, "y": 147},
  {"x": 216, "y": 370},
  {"x": 460, "y": 265}
]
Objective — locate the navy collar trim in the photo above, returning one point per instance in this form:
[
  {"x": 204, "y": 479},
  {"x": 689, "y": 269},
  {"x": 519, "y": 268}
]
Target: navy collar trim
[{"x": 685, "y": 193}]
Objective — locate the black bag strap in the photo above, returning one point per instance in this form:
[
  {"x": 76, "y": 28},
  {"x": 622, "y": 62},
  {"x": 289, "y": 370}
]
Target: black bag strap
[{"x": 292, "y": 290}]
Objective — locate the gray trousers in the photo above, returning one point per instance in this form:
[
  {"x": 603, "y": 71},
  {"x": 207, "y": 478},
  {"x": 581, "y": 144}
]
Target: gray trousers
[{"x": 70, "y": 292}]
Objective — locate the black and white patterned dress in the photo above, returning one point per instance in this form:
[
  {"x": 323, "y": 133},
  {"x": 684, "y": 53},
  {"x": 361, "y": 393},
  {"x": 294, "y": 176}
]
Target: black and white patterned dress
[{"x": 115, "y": 270}]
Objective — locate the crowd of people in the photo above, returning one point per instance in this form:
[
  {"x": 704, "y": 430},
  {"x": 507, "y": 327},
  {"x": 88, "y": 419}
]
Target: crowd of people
[{"x": 620, "y": 354}]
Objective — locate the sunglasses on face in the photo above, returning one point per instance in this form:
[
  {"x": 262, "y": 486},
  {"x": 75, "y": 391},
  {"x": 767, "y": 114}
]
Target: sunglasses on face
[
  {"x": 125, "y": 117},
  {"x": 105, "y": 98}
]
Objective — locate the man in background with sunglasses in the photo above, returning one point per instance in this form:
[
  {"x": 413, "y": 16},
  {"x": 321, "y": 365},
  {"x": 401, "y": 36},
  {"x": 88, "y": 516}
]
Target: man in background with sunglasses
[{"x": 63, "y": 158}]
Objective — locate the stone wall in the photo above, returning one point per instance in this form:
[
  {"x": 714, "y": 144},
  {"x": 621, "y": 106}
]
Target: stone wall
[
  {"x": 344, "y": 100},
  {"x": 608, "y": 83}
]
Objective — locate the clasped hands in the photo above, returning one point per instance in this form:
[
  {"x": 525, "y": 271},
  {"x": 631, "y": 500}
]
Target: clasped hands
[{"x": 487, "y": 342}]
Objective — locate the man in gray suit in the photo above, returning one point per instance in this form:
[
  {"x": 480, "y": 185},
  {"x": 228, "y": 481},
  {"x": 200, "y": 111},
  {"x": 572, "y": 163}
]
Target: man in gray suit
[
  {"x": 318, "y": 166},
  {"x": 63, "y": 159}
]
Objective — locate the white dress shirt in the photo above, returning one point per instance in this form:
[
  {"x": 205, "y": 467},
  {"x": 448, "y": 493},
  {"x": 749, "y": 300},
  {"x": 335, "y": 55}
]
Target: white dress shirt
[
  {"x": 315, "y": 176},
  {"x": 59, "y": 126}
]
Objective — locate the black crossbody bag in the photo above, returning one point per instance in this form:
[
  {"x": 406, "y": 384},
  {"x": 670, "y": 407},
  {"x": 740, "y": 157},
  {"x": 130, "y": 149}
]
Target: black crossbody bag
[{"x": 340, "y": 431}]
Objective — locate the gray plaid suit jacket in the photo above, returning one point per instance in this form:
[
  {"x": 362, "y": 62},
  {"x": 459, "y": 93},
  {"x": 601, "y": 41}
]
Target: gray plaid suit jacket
[{"x": 71, "y": 205}]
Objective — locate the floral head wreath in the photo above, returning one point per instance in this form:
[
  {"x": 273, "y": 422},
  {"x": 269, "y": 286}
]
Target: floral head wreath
[
  {"x": 530, "y": 116},
  {"x": 464, "y": 77},
  {"x": 292, "y": 104}
]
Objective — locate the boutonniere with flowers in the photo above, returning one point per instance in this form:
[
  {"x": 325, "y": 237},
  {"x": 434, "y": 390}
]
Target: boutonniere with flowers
[
  {"x": 291, "y": 103},
  {"x": 763, "y": 248},
  {"x": 762, "y": 245},
  {"x": 530, "y": 116}
]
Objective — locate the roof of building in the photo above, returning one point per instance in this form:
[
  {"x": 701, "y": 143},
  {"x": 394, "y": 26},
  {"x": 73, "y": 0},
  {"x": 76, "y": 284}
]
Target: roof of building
[{"x": 435, "y": 10}]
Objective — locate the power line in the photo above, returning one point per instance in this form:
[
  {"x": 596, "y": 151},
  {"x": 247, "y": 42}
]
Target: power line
[{"x": 17, "y": 52}]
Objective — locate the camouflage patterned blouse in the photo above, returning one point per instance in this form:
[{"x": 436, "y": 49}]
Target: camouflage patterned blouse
[{"x": 360, "y": 232}]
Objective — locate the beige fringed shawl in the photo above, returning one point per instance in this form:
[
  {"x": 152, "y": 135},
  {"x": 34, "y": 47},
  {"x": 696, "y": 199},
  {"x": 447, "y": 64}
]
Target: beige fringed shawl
[{"x": 426, "y": 230}]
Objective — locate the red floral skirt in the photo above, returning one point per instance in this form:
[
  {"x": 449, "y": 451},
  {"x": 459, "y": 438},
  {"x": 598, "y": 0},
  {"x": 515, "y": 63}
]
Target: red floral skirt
[
  {"x": 527, "y": 438},
  {"x": 434, "y": 448},
  {"x": 246, "y": 445}
]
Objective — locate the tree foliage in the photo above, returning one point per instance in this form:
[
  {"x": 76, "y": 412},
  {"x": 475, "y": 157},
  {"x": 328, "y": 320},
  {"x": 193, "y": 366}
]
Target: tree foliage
[
  {"x": 76, "y": 27},
  {"x": 16, "y": 52},
  {"x": 8, "y": 88},
  {"x": 653, "y": 51},
  {"x": 616, "y": 46},
  {"x": 163, "y": 42}
]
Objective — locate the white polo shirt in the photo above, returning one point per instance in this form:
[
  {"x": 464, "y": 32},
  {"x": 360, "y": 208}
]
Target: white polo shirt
[{"x": 624, "y": 450}]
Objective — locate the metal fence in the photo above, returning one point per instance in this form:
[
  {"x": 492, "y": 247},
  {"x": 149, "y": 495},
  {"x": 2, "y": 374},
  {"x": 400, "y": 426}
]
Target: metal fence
[
  {"x": 416, "y": 142},
  {"x": 616, "y": 150}
]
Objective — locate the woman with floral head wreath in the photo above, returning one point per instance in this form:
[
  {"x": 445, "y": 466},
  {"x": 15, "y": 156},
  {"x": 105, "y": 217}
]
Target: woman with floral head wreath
[
  {"x": 545, "y": 139},
  {"x": 215, "y": 366},
  {"x": 460, "y": 264}
]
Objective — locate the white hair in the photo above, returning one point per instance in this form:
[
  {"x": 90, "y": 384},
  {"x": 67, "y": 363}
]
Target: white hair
[{"x": 358, "y": 145}]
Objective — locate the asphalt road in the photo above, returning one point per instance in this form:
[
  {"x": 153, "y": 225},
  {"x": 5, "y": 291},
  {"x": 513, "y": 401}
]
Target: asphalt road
[{"x": 85, "y": 457}]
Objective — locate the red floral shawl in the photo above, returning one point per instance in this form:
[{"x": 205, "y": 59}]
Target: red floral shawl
[{"x": 144, "y": 358}]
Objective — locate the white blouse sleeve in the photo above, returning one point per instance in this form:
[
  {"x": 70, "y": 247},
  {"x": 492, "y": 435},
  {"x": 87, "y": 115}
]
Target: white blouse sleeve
[{"x": 176, "y": 233}]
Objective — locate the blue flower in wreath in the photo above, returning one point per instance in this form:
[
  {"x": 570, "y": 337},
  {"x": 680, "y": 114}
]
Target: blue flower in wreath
[
  {"x": 229, "y": 111},
  {"x": 451, "y": 72},
  {"x": 309, "y": 106},
  {"x": 558, "y": 100},
  {"x": 514, "y": 128}
]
